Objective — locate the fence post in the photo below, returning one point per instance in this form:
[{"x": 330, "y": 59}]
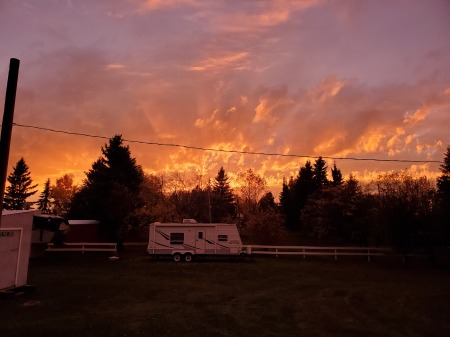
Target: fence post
[
  {"x": 335, "y": 255},
  {"x": 304, "y": 256},
  {"x": 368, "y": 255}
]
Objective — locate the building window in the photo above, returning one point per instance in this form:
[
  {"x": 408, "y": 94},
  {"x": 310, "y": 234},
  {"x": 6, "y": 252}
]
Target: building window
[
  {"x": 223, "y": 237},
  {"x": 176, "y": 238}
]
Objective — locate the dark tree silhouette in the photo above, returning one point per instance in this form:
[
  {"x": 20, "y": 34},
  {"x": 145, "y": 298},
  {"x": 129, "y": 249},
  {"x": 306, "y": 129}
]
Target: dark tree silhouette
[
  {"x": 286, "y": 203},
  {"x": 20, "y": 187},
  {"x": 443, "y": 200},
  {"x": 405, "y": 206},
  {"x": 264, "y": 224},
  {"x": 294, "y": 195},
  {"x": 339, "y": 213},
  {"x": 336, "y": 174},
  {"x": 443, "y": 182},
  {"x": 62, "y": 193},
  {"x": 221, "y": 198},
  {"x": 320, "y": 173},
  {"x": 267, "y": 202},
  {"x": 110, "y": 192},
  {"x": 45, "y": 199},
  {"x": 193, "y": 204}
]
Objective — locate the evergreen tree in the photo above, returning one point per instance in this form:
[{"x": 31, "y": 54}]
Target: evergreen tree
[
  {"x": 305, "y": 184},
  {"x": 286, "y": 206},
  {"x": 110, "y": 192},
  {"x": 443, "y": 182},
  {"x": 336, "y": 175},
  {"x": 45, "y": 199},
  {"x": 320, "y": 173},
  {"x": 221, "y": 198},
  {"x": 304, "y": 188},
  {"x": 339, "y": 213},
  {"x": 295, "y": 194},
  {"x": 443, "y": 186},
  {"x": 20, "y": 187}
]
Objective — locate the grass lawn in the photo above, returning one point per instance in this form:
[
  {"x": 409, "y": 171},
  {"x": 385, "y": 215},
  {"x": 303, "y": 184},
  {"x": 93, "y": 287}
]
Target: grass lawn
[{"x": 88, "y": 295}]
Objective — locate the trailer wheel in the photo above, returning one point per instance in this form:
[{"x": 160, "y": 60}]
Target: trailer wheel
[
  {"x": 188, "y": 257},
  {"x": 177, "y": 257}
]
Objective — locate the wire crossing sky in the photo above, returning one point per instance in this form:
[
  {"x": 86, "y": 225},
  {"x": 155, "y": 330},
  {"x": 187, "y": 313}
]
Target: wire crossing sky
[{"x": 228, "y": 151}]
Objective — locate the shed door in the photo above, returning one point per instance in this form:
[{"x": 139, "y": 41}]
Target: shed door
[
  {"x": 200, "y": 242},
  {"x": 9, "y": 252}
]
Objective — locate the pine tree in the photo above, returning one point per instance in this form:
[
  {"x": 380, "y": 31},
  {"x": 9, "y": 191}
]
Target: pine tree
[
  {"x": 20, "y": 187},
  {"x": 44, "y": 201},
  {"x": 110, "y": 192},
  {"x": 305, "y": 184},
  {"x": 443, "y": 182},
  {"x": 222, "y": 200},
  {"x": 285, "y": 202},
  {"x": 336, "y": 174},
  {"x": 320, "y": 173},
  {"x": 443, "y": 205},
  {"x": 295, "y": 194}
]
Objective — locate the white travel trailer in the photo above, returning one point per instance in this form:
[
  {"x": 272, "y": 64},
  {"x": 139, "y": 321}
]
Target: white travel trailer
[{"x": 184, "y": 240}]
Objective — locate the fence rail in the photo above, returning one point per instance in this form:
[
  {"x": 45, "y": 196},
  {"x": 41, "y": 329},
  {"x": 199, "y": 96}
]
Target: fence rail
[
  {"x": 315, "y": 251},
  {"x": 83, "y": 247}
]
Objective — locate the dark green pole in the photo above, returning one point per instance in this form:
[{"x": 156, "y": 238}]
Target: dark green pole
[{"x": 8, "y": 116}]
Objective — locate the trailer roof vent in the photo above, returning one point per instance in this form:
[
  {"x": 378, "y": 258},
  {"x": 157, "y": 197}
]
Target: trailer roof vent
[{"x": 189, "y": 221}]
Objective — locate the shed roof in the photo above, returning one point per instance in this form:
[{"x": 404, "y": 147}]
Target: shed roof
[
  {"x": 83, "y": 222},
  {"x": 19, "y": 211}
]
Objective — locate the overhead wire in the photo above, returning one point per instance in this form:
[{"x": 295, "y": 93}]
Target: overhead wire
[{"x": 199, "y": 148}]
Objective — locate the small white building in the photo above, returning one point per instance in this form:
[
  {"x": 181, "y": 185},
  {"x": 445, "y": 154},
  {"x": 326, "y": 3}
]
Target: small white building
[{"x": 15, "y": 244}]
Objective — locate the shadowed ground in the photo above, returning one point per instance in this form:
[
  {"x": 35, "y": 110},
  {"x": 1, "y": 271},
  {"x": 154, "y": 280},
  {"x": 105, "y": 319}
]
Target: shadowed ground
[{"x": 88, "y": 295}]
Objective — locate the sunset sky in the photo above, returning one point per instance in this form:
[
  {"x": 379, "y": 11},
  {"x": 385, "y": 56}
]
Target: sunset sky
[{"x": 337, "y": 78}]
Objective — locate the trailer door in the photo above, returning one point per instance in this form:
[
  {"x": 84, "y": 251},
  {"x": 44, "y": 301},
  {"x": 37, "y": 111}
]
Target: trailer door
[{"x": 200, "y": 242}]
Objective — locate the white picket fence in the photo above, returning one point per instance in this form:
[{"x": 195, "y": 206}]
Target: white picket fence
[
  {"x": 83, "y": 247},
  {"x": 314, "y": 250}
]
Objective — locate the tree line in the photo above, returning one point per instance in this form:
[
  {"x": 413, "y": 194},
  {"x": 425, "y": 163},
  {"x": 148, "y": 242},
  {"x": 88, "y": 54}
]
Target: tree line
[{"x": 396, "y": 209}]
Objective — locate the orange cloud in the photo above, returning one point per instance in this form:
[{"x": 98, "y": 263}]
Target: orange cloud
[
  {"x": 159, "y": 4},
  {"x": 114, "y": 66},
  {"x": 263, "y": 16},
  {"x": 329, "y": 88},
  {"x": 231, "y": 60},
  {"x": 417, "y": 116}
]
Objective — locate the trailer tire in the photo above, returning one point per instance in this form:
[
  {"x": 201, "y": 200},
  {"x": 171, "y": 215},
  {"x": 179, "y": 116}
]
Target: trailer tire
[
  {"x": 188, "y": 257},
  {"x": 177, "y": 257}
]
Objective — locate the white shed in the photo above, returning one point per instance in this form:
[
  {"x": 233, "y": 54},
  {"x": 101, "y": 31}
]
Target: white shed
[{"x": 15, "y": 243}]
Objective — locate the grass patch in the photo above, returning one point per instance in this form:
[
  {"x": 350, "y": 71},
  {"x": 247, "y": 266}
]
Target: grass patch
[{"x": 87, "y": 295}]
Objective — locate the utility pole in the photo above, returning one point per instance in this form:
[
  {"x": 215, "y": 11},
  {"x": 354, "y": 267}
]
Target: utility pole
[{"x": 8, "y": 116}]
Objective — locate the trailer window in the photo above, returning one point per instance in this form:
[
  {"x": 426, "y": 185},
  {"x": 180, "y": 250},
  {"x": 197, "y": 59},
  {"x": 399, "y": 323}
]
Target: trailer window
[
  {"x": 223, "y": 238},
  {"x": 176, "y": 238}
]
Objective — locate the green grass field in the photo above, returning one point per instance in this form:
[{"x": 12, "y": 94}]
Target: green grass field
[{"x": 88, "y": 295}]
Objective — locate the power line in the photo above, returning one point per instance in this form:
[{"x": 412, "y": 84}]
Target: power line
[{"x": 228, "y": 151}]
